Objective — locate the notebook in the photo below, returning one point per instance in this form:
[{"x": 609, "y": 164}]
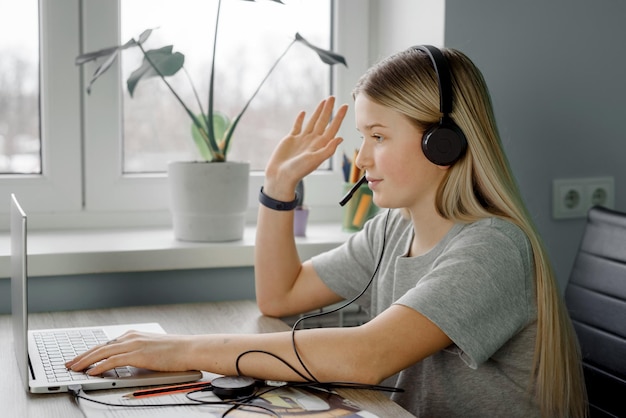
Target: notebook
[{"x": 41, "y": 353}]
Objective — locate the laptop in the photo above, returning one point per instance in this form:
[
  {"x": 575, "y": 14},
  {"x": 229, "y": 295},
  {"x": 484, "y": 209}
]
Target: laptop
[{"x": 41, "y": 354}]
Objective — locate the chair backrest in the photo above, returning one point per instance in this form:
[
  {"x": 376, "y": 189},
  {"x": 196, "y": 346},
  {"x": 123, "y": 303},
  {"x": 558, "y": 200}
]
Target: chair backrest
[{"x": 596, "y": 300}]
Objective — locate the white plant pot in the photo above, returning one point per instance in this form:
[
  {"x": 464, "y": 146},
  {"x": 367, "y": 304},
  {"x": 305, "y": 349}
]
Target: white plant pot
[{"x": 208, "y": 201}]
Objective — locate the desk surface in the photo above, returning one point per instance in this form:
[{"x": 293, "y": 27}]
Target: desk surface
[{"x": 222, "y": 317}]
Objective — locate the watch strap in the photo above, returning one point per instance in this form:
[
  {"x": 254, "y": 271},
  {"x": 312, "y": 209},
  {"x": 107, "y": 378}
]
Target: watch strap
[{"x": 267, "y": 201}]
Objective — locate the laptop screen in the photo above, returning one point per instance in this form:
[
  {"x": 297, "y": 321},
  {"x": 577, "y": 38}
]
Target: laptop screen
[{"x": 19, "y": 295}]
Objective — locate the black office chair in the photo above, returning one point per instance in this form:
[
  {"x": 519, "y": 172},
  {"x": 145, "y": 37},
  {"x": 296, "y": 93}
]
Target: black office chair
[{"x": 596, "y": 300}]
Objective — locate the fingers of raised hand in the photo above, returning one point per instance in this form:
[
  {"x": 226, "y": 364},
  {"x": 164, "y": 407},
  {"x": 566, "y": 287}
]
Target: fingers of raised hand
[
  {"x": 314, "y": 124},
  {"x": 308, "y": 145},
  {"x": 297, "y": 125},
  {"x": 323, "y": 114},
  {"x": 335, "y": 123}
]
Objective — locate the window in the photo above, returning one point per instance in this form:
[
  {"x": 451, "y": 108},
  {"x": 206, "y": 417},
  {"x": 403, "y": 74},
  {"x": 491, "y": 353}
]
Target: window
[
  {"x": 88, "y": 178},
  {"x": 20, "y": 143},
  {"x": 55, "y": 187},
  {"x": 156, "y": 128}
]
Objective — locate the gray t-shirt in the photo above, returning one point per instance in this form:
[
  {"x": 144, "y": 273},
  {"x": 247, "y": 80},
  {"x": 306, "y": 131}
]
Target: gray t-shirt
[{"x": 477, "y": 285}]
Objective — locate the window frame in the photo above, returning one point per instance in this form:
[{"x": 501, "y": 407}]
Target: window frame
[
  {"x": 58, "y": 188},
  {"x": 82, "y": 184}
]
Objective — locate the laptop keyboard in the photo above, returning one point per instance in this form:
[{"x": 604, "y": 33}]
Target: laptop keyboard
[{"x": 57, "y": 347}]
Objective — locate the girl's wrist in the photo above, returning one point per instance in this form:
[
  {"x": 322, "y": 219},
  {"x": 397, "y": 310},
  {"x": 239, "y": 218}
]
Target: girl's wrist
[
  {"x": 279, "y": 190},
  {"x": 275, "y": 204}
]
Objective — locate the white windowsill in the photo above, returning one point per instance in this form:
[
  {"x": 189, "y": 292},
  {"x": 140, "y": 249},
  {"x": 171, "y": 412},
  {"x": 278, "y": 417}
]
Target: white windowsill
[{"x": 53, "y": 253}]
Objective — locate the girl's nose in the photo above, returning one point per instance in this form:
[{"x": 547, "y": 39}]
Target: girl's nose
[{"x": 363, "y": 157}]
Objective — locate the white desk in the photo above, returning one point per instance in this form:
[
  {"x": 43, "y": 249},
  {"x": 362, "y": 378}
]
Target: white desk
[{"x": 229, "y": 317}]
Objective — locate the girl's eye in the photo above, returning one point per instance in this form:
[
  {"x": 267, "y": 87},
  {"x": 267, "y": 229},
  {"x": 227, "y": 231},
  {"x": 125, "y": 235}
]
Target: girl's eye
[{"x": 378, "y": 138}]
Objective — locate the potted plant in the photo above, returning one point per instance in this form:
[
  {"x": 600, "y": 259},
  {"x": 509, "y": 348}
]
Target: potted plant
[{"x": 194, "y": 216}]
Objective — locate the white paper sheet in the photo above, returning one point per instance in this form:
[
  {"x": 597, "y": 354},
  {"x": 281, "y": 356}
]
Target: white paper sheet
[{"x": 284, "y": 401}]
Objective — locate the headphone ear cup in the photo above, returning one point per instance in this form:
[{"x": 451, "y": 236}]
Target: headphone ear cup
[{"x": 444, "y": 144}]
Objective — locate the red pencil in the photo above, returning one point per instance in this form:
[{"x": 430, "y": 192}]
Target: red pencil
[{"x": 168, "y": 390}]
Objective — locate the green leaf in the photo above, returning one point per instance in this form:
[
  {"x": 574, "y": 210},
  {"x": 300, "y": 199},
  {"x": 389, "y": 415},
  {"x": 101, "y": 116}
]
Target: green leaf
[
  {"x": 144, "y": 36},
  {"x": 110, "y": 54},
  {"x": 328, "y": 57},
  {"x": 156, "y": 63},
  {"x": 221, "y": 123},
  {"x": 104, "y": 52},
  {"x": 102, "y": 68}
]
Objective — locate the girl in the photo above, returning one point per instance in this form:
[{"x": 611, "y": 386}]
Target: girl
[{"x": 466, "y": 314}]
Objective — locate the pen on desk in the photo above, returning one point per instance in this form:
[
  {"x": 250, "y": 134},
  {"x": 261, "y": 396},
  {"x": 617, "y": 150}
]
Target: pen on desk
[{"x": 168, "y": 390}]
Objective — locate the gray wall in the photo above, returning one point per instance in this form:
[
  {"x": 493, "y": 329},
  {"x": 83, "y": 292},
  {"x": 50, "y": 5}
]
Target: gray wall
[
  {"x": 556, "y": 74},
  {"x": 555, "y": 69},
  {"x": 110, "y": 290}
]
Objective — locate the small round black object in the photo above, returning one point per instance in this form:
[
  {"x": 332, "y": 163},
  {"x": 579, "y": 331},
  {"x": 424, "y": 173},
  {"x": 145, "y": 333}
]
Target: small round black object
[{"x": 231, "y": 387}]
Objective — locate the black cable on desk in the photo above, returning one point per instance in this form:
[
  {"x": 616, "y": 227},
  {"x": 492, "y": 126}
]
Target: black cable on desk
[{"x": 77, "y": 394}]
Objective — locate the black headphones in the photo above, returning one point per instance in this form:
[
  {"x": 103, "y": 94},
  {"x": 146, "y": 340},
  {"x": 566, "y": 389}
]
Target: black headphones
[{"x": 444, "y": 143}]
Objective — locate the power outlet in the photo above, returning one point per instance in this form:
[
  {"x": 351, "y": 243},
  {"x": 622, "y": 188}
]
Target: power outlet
[{"x": 572, "y": 198}]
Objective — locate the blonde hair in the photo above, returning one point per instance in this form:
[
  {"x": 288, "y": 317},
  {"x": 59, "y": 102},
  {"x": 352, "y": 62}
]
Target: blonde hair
[{"x": 481, "y": 185}]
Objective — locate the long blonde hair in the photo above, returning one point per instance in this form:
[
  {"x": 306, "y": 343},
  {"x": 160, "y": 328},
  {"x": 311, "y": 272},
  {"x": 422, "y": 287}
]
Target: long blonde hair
[{"x": 481, "y": 185}]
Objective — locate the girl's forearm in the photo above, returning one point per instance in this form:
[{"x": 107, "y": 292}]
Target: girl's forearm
[
  {"x": 276, "y": 259},
  {"x": 328, "y": 354}
]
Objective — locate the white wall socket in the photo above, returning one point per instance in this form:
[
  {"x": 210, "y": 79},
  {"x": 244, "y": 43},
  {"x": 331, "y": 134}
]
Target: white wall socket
[{"x": 572, "y": 198}]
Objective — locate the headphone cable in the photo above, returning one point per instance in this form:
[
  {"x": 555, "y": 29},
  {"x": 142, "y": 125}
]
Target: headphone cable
[{"x": 342, "y": 306}]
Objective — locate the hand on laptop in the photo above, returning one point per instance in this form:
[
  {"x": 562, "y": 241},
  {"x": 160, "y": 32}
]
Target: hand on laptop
[{"x": 144, "y": 350}]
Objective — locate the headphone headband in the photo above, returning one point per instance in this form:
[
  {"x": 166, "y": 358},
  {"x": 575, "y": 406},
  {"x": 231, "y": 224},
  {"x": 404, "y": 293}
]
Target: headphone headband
[{"x": 442, "y": 69}]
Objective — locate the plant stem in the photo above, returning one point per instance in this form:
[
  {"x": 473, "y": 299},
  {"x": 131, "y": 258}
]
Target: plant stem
[
  {"x": 209, "y": 116},
  {"x": 195, "y": 92},
  {"x": 211, "y": 143},
  {"x": 236, "y": 121}
]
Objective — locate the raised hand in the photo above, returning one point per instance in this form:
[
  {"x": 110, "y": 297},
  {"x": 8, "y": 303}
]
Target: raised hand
[{"x": 304, "y": 148}]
